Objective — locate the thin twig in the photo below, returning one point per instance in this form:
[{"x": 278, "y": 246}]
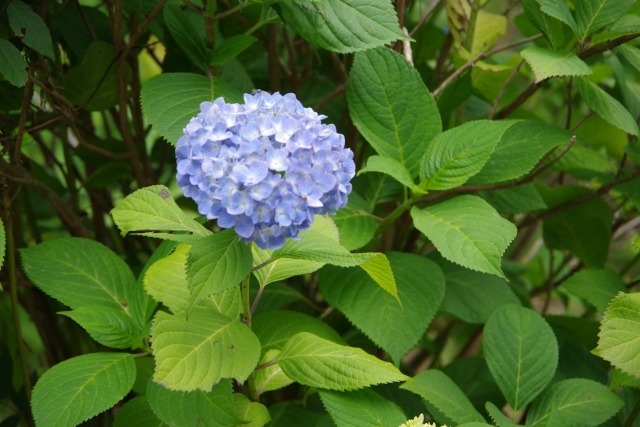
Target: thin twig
[{"x": 425, "y": 17}]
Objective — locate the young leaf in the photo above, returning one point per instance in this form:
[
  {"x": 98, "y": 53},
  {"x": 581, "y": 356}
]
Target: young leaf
[
  {"x": 12, "y": 64},
  {"x": 472, "y": 296},
  {"x": 394, "y": 328},
  {"x": 593, "y": 15},
  {"x": 596, "y": 286},
  {"x": 216, "y": 263},
  {"x": 619, "y": 336},
  {"x": 393, "y": 168},
  {"x": 109, "y": 326},
  {"x": 187, "y": 29},
  {"x": 275, "y": 328},
  {"x": 80, "y": 272},
  {"x": 153, "y": 208},
  {"x": 343, "y": 26},
  {"x": 606, "y": 106},
  {"x": 559, "y": 10},
  {"x": 440, "y": 391},
  {"x": 391, "y": 106},
  {"x": 136, "y": 413},
  {"x": 316, "y": 362},
  {"x": 314, "y": 245},
  {"x": 215, "y": 408},
  {"x": 364, "y": 408},
  {"x": 80, "y": 388},
  {"x": 550, "y": 63},
  {"x": 269, "y": 378},
  {"x": 521, "y": 351},
  {"x": 576, "y": 401},
  {"x": 166, "y": 280},
  {"x": 231, "y": 47},
  {"x": 459, "y": 153},
  {"x": 198, "y": 352},
  {"x": 466, "y": 230},
  {"x": 170, "y": 100},
  {"x": 30, "y": 27}
]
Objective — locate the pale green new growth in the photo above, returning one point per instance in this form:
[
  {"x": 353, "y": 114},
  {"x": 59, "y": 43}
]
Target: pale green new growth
[{"x": 550, "y": 63}]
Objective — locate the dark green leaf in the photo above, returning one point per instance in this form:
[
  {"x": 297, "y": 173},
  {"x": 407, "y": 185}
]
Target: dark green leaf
[
  {"x": 136, "y": 413},
  {"x": 593, "y": 15},
  {"x": 231, "y": 47},
  {"x": 391, "y": 106},
  {"x": 30, "y": 27},
  {"x": 12, "y": 64},
  {"x": 596, "y": 286},
  {"x": 520, "y": 199},
  {"x": 343, "y": 26},
  {"x": 187, "y": 29},
  {"x": 363, "y": 408}
]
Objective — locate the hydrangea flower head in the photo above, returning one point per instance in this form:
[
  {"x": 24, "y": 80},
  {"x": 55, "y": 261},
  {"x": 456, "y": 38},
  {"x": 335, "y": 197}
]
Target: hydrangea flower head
[{"x": 265, "y": 167}]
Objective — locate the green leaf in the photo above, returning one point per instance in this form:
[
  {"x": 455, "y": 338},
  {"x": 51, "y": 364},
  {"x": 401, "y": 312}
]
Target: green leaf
[
  {"x": 170, "y": 100},
  {"x": 565, "y": 229},
  {"x": 394, "y": 328},
  {"x": 231, "y": 47},
  {"x": 391, "y": 106},
  {"x": 314, "y": 245},
  {"x": 520, "y": 199},
  {"x": 498, "y": 417},
  {"x": 520, "y": 148},
  {"x": 275, "y": 328},
  {"x": 80, "y": 272},
  {"x": 80, "y": 388},
  {"x": 619, "y": 336},
  {"x": 93, "y": 83},
  {"x": 343, "y": 26},
  {"x": 606, "y": 106},
  {"x": 109, "y": 326},
  {"x": 439, "y": 390},
  {"x": 31, "y": 29},
  {"x": 136, "y": 413},
  {"x": 596, "y": 286},
  {"x": 269, "y": 378},
  {"x": 556, "y": 32},
  {"x": 166, "y": 280},
  {"x": 559, "y": 10},
  {"x": 472, "y": 296},
  {"x": 551, "y": 63},
  {"x": 316, "y": 362},
  {"x": 460, "y": 153},
  {"x": 151, "y": 211},
  {"x": 216, "y": 263},
  {"x": 198, "y": 352},
  {"x": 364, "y": 408},
  {"x": 574, "y": 402},
  {"x": 393, "y": 168},
  {"x": 631, "y": 54},
  {"x": 593, "y": 15},
  {"x": 12, "y": 64},
  {"x": 187, "y": 29},
  {"x": 466, "y": 230},
  {"x": 214, "y": 408},
  {"x": 355, "y": 223},
  {"x": 521, "y": 351}
]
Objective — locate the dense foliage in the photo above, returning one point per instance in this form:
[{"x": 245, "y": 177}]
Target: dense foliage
[{"x": 166, "y": 257}]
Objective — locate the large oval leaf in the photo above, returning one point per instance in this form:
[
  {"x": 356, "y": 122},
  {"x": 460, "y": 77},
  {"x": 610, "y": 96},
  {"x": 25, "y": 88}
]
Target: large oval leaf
[
  {"x": 394, "y": 328},
  {"x": 521, "y": 351},
  {"x": 316, "y": 362},
  {"x": 391, "y": 106},
  {"x": 80, "y": 388},
  {"x": 198, "y": 352},
  {"x": 343, "y": 25},
  {"x": 363, "y": 408},
  {"x": 468, "y": 231}
]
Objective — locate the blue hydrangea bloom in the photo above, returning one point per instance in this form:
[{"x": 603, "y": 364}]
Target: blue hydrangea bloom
[{"x": 265, "y": 167}]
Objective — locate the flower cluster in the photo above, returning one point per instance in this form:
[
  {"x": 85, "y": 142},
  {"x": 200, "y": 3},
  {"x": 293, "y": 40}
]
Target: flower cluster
[
  {"x": 419, "y": 422},
  {"x": 265, "y": 167}
]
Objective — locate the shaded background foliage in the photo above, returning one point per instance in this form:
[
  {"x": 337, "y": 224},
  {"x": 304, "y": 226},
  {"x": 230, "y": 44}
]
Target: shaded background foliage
[{"x": 95, "y": 93}]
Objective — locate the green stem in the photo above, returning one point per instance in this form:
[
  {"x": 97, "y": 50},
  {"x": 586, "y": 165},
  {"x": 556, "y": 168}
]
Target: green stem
[
  {"x": 395, "y": 214},
  {"x": 246, "y": 306}
]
